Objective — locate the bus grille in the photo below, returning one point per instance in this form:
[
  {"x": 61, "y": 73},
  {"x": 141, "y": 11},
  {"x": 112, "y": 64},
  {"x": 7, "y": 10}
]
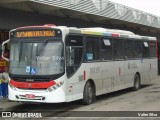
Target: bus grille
[
  {"x": 40, "y": 89},
  {"x": 33, "y": 80},
  {"x": 23, "y": 97}
]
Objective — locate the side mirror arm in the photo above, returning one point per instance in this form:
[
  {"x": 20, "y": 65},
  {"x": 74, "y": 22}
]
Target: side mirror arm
[{"x": 3, "y": 49}]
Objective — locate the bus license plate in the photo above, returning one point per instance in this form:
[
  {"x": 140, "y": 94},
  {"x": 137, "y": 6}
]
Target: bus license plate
[{"x": 30, "y": 96}]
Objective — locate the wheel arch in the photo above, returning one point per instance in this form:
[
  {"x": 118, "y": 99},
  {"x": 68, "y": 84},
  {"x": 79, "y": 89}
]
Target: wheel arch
[
  {"x": 137, "y": 82},
  {"x": 138, "y": 73},
  {"x": 89, "y": 99},
  {"x": 92, "y": 83}
]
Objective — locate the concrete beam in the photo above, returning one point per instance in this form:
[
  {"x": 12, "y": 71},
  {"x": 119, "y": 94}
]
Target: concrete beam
[{"x": 11, "y": 1}]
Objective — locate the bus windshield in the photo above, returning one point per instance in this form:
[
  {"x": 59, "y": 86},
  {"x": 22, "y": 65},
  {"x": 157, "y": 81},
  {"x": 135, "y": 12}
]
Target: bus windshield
[{"x": 36, "y": 58}]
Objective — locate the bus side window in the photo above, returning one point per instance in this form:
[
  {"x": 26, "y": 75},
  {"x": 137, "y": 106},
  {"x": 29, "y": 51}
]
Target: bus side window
[
  {"x": 128, "y": 49},
  {"x": 145, "y": 49},
  {"x": 106, "y": 49},
  {"x": 92, "y": 48},
  {"x": 137, "y": 52},
  {"x": 74, "y": 52},
  {"x": 118, "y": 49},
  {"x": 152, "y": 49}
]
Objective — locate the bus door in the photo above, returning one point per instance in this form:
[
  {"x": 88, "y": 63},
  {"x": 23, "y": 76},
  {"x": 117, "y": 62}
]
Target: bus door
[
  {"x": 145, "y": 62},
  {"x": 74, "y": 66},
  {"x": 153, "y": 59},
  {"x": 158, "y": 57}
]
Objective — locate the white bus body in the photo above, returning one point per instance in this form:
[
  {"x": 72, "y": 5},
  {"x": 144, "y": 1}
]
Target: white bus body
[{"x": 102, "y": 75}]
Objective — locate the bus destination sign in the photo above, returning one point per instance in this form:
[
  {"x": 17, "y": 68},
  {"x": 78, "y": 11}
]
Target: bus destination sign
[{"x": 35, "y": 33}]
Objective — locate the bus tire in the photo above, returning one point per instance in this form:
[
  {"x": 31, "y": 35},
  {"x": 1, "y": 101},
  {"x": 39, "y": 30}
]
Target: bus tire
[
  {"x": 137, "y": 82},
  {"x": 89, "y": 95}
]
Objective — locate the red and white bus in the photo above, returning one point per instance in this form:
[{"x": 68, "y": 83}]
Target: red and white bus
[{"x": 53, "y": 64}]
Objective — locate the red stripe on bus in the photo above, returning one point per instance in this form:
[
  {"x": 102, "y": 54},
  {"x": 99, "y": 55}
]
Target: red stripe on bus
[
  {"x": 32, "y": 85},
  {"x": 115, "y": 35},
  {"x": 84, "y": 76}
]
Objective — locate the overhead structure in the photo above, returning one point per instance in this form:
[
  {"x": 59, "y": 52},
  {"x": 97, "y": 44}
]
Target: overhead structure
[
  {"x": 102, "y": 12},
  {"x": 77, "y": 13}
]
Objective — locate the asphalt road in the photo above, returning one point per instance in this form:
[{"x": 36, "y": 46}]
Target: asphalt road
[{"x": 121, "y": 104}]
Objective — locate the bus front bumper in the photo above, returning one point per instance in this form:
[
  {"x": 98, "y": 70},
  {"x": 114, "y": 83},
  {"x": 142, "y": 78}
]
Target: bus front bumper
[{"x": 41, "y": 96}]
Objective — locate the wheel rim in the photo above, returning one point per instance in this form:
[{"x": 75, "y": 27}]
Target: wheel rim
[{"x": 90, "y": 93}]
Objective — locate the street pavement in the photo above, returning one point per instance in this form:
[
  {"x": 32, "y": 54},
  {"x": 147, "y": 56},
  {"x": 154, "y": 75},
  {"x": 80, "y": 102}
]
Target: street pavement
[{"x": 6, "y": 105}]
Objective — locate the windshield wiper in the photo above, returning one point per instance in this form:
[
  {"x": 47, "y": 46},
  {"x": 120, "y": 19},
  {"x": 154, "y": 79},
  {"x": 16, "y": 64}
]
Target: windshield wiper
[{"x": 40, "y": 50}]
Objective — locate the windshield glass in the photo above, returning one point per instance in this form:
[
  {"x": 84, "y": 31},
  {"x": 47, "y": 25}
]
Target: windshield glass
[{"x": 36, "y": 58}]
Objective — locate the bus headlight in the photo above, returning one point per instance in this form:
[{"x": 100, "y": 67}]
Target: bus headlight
[
  {"x": 55, "y": 87},
  {"x": 12, "y": 87}
]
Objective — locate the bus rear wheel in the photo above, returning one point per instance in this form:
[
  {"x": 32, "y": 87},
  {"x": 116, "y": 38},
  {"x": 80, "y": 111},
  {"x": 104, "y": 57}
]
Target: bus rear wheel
[
  {"x": 89, "y": 94},
  {"x": 137, "y": 82}
]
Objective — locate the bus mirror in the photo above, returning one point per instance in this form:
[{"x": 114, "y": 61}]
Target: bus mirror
[{"x": 3, "y": 50}]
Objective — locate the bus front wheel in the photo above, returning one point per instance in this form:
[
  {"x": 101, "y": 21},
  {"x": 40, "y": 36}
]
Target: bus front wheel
[
  {"x": 137, "y": 82},
  {"x": 88, "y": 94}
]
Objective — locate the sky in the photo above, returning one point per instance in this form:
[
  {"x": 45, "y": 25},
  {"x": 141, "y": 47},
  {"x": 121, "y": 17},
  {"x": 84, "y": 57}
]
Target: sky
[{"x": 149, "y": 6}]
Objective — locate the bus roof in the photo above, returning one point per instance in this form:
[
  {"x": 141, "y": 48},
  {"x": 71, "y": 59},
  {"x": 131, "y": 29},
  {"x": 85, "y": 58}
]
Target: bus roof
[
  {"x": 109, "y": 33},
  {"x": 95, "y": 31}
]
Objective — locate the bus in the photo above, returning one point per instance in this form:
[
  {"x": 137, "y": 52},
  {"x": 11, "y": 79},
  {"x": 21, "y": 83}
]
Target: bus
[{"x": 53, "y": 64}]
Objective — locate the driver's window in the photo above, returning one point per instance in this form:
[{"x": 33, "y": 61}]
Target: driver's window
[{"x": 74, "y": 51}]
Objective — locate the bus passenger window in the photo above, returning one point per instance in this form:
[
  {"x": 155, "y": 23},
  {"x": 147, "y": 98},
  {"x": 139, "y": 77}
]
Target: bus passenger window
[
  {"x": 92, "y": 48},
  {"x": 106, "y": 49},
  {"x": 152, "y": 49},
  {"x": 145, "y": 49},
  {"x": 128, "y": 49},
  {"x": 137, "y": 49},
  {"x": 118, "y": 49}
]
